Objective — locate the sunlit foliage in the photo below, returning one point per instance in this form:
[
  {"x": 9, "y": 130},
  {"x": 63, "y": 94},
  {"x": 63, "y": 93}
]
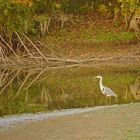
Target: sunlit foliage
[
  {"x": 26, "y": 16},
  {"x": 24, "y": 2}
]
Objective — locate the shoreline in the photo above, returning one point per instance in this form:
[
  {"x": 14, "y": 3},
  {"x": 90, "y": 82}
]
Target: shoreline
[
  {"x": 119, "y": 123},
  {"x": 10, "y": 121}
]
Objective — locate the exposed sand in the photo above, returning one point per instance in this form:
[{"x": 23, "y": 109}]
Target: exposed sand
[{"x": 116, "y": 123}]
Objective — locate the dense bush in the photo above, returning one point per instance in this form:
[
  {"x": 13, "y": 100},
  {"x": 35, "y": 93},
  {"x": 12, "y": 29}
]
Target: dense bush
[
  {"x": 127, "y": 8},
  {"x": 29, "y": 16}
]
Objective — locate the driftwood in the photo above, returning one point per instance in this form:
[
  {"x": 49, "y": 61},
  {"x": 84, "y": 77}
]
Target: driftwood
[
  {"x": 34, "y": 56},
  {"x": 36, "y": 60},
  {"x": 10, "y": 48}
]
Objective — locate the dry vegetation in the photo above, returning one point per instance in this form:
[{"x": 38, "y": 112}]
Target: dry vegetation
[{"x": 89, "y": 40}]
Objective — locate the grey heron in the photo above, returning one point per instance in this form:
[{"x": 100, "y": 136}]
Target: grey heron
[{"x": 105, "y": 90}]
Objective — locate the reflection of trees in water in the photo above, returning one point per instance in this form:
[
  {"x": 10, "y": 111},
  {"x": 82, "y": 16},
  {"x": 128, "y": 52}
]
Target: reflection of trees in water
[
  {"x": 135, "y": 89},
  {"x": 33, "y": 88},
  {"x": 29, "y": 89},
  {"x": 15, "y": 83}
]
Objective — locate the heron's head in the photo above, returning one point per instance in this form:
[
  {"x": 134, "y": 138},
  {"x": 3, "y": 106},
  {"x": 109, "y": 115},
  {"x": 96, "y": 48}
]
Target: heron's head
[{"x": 99, "y": 76}]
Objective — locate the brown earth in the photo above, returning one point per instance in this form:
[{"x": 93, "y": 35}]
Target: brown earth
[{"x": 115, "y": 123}]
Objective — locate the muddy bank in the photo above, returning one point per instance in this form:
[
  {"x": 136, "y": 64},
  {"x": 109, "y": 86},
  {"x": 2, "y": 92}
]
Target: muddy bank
[{"x": 117, "y": 123}]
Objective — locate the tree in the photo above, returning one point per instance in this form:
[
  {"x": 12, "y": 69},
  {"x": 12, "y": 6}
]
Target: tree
[{"x": 128, "y": 7}]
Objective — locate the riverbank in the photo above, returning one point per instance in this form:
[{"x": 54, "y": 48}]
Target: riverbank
[
  {"x": 95, "y": 55},
  {"x": 97, "y": 44},
  {"x": 117, "y": 123}
]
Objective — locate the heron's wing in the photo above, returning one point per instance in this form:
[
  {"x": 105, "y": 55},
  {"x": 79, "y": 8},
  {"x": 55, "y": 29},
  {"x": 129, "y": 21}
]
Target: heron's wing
[{"x": 109, "y": 92}]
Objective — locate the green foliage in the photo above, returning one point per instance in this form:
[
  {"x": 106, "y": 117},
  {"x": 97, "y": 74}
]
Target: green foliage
[
  {"x": 45, "y": 6},
  {"x": 102, "y": 8},
  {"x": 111, "y": 36},
  {"x": 14, "y": 16},
  {"x": 127, "y": 7},
  {"x": 26, "y": 15}
]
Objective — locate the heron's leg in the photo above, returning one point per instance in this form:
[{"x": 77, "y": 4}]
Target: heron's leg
[
  {"x": 109, "y": 100},
  {"x": 116, "y": 100},
  {"x": 105, "y": 100}
]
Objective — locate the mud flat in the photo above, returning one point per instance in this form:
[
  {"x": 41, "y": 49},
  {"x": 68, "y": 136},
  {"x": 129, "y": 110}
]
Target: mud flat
[{"x": 107, "y": 123}]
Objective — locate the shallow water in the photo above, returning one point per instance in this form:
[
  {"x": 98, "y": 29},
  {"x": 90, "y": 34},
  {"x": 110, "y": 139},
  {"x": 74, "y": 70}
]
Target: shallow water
[{"x": 35, "y": 90}]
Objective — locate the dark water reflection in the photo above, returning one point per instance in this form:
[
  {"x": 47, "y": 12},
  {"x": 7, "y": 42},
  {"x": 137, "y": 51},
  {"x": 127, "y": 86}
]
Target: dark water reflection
[{"x": 49, "y": 89}]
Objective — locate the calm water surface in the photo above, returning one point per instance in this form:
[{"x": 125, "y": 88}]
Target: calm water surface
[{"x": 35, "y": 90}]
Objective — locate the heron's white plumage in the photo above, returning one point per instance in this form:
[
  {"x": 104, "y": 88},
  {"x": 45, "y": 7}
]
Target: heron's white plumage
[{"x": 105, "y": 90}]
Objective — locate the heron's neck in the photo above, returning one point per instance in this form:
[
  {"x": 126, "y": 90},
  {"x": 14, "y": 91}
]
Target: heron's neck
[{"x": 101, "y": 85}]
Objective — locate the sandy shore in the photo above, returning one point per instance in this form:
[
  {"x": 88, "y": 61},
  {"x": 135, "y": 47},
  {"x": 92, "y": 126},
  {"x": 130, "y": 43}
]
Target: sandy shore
[{"x": 115, "y": 123}]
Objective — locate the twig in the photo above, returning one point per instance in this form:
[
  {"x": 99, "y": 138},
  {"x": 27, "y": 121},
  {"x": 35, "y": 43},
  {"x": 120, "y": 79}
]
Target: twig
[
  {"x": 9, "y": 81},
  {"x": 36, "y": 78},
  {"x": 9, "y": 47},
  {"x": 23, "y": 44},
  {"x": 23, "y": 83},
  {"x": 35, "y": 47}
]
